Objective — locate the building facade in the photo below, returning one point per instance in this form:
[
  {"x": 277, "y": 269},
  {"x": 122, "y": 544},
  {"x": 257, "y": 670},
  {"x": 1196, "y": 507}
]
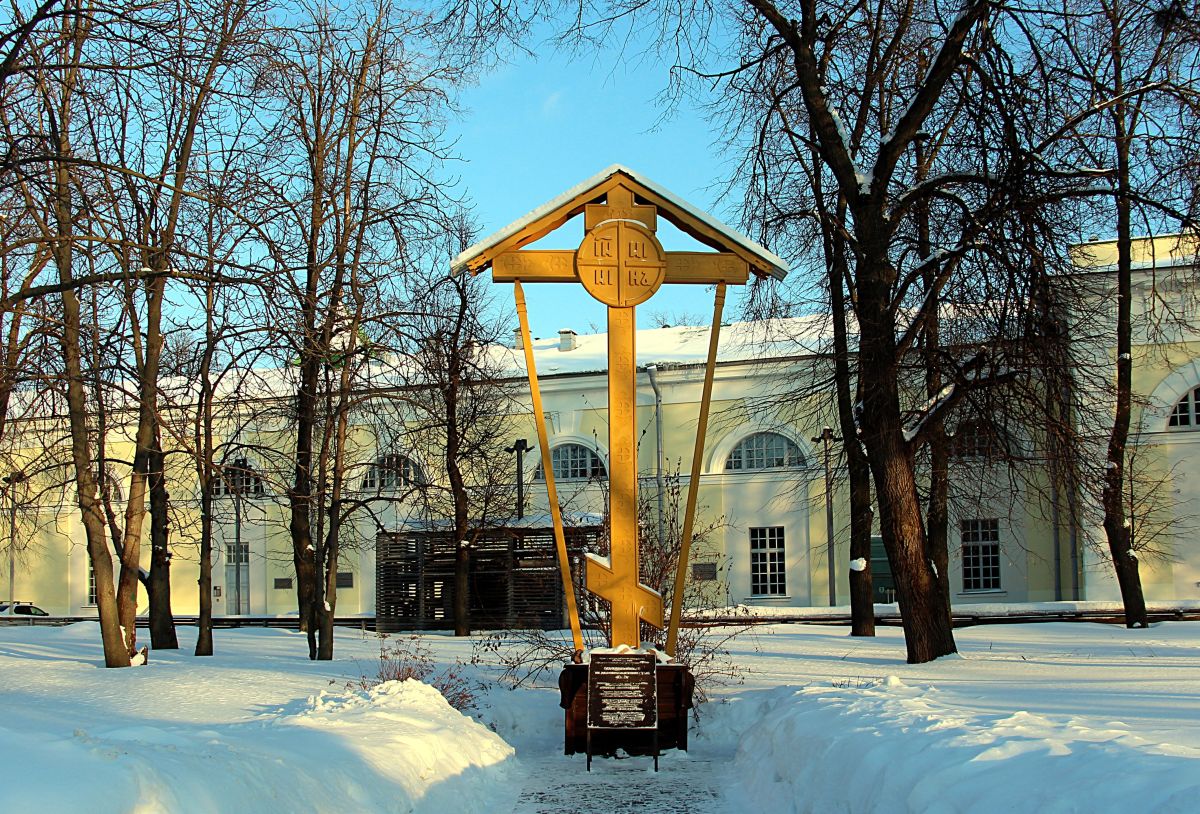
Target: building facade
[{"x": 762, "y": 498}]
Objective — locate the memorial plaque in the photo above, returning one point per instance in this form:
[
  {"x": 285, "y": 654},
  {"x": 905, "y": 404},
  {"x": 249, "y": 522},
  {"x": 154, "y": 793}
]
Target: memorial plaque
[{"x": 622, "y": 691}]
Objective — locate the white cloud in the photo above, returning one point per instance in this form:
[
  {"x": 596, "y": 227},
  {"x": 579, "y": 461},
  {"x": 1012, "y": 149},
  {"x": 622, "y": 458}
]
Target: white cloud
[{"x": 550, "y": 103}]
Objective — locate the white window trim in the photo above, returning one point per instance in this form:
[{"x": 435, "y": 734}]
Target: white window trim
[
  {"x": 533, "y": 458},
  {"x": 719, "y": 454},
  {"x": 962, "y": 546},
  {"x": 783, "y": 562},
  {"x": 1164, "y": 398},
  {"x": 368, "y": 468}
]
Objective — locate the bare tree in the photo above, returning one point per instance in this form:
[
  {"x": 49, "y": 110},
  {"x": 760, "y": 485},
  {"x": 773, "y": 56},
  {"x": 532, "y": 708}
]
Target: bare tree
[
  {"x": 49, "y": 194},
  {"x": 1127, "y": 69},
  {"x": 909, "y": 123},
  {"x": 461, "y": 403},
  {"x": 356, "y": 99}
]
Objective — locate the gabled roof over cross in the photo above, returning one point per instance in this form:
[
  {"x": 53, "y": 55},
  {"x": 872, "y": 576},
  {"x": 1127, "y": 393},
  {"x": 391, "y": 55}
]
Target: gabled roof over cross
[{"x": 687, "y": 218}]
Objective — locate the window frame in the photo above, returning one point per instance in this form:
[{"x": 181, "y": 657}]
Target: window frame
[
  {"x": 592, "y": 464},
  {"x": 1189, "y": 418},
  {"x": 747, "y": 456},
  {"x": 768, "y": 561},
  {"x": 391, "y": 472},
  {"x": 247, "y": 474},
  {"x": 237, "y": 553},
  {"x": 979, "y": 541}
]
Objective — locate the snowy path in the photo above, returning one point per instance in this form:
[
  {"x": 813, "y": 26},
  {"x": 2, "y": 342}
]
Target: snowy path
[
  {"x": 686, "y": 783},
  {"x": 698, "y": 781}
]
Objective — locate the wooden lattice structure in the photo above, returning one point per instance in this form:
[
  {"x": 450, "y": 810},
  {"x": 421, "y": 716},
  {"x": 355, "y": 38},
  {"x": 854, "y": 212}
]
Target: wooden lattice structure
[{"x": 514, "y": 578}]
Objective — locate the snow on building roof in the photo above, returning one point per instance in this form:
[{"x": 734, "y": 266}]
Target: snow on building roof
[
  {"x": 683, "y": 345},
  {"x": 1162, "y": 251},
  {"x": 664, "y": 347}
]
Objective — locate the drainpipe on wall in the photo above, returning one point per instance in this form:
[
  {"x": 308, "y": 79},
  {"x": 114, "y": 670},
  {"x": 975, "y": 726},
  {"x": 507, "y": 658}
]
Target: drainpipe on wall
[
  {"x": 1072, "y": 515},
  {"x": 660, "y": 456},
  {"x": 1056, "y": 537}
]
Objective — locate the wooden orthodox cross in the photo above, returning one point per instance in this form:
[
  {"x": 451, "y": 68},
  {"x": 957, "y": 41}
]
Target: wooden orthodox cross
[{"x": 622, "y": 264}]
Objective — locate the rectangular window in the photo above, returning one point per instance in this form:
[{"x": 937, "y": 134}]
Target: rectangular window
[
  {"x": 91, "y": 597},
  {"x": 345, "y": 579},
  {"x": 283, "y": 583},
  {"x": 238, "y": 554},
  {"x": 981, "y": 555},
  {"x": 766, "y": 561}
]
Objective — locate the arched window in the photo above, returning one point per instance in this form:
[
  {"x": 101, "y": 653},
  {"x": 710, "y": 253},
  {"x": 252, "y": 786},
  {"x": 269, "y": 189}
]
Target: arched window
[
  {"x": 978, "y": 439},
  {"x": 1186, "y": 414},
  {"x": 390, "y": 472},
  {"x": 573, "y": 462},
  {"x": 237, "y": 477},
  {"x": 763, "y": 450},
  {"x": 110, "y": 487}
]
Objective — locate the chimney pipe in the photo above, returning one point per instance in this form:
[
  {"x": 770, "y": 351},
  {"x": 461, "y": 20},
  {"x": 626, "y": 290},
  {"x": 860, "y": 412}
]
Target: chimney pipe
[
  {"x": 517, "y": 343},
  {"x": 566, "y": 339}
]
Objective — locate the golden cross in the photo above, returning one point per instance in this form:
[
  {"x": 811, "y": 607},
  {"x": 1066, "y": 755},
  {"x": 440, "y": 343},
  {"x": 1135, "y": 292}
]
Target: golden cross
[{"x": 622, "y": 264}]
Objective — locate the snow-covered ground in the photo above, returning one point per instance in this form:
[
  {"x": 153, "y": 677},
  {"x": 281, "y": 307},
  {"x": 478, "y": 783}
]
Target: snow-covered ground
[{"x": 1061, "y": 717}]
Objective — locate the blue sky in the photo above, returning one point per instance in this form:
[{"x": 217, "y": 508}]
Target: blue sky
[{"x": 538, "y": 125}]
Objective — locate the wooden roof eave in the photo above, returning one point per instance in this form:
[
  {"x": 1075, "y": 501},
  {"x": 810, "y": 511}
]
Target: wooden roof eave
[
  {"x": 676, "y": 214},
  {"x": 543, "y": 226},
  {"x": 705, "y": 234}
]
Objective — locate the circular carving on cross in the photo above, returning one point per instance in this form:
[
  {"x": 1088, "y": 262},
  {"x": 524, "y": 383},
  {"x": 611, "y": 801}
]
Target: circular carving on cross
[{"x": 621, "y": 263}]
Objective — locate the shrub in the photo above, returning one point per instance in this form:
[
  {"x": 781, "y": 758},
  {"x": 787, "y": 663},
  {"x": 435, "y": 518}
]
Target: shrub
[{"x": 409, "y": 657}]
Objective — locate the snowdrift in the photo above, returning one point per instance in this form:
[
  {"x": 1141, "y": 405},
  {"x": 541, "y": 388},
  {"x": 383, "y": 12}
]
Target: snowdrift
[
  {"x": 397, "y": 747},
  {"x": 894, "y": 748}
]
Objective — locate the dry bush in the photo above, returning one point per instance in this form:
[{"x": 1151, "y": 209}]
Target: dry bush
[
  {"x": 526, "y": 655},
  {"x": 409, "y": 657}
]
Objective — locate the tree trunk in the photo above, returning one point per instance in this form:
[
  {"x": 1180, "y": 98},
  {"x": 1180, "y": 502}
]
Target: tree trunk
[
  {"x": 1117, "y": 527},
  {"x": 937, "y": 516},
  {"x": 158, "y": 578},
  {"x": 204, "y": 637},
  {"x": 203, "y": 434},
  {"x": 862, "y": 583},
  {"x": 162, "y": 622},
  {"x": 300, "y": 500},
  {"x": 927, "y": 630},
  {"x": 115, "y": 652},
  {"x": 325, "y": 639},
  {"x": 328, "y": 609},
  {"x": 462, "y": 594}
]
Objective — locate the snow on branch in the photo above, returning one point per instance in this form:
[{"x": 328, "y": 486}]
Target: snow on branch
[
  {"x": 971, "y": 376},
  {"x": 940, "y": 70}
]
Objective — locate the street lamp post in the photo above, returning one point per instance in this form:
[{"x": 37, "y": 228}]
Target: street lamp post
[
  {"x": 825, "y": 439},
  {"x": 520, "y": 447},
  {"x": 11, "y": 481},
  {"x": 237, "y": 547}
]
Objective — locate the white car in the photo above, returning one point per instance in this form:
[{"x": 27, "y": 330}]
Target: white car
[{"x": 20, "y": 609}]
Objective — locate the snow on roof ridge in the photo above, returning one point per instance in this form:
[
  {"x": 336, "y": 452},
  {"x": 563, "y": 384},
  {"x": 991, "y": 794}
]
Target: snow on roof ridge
[{"x": 779, "y": 269}]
